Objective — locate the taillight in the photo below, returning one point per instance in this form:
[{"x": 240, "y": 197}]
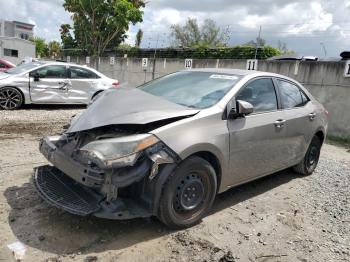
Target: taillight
[{"x": 115, "y": 84}]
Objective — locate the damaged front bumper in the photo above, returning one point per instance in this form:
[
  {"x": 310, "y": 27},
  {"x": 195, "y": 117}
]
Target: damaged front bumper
[{"x": 84, "y": 188}]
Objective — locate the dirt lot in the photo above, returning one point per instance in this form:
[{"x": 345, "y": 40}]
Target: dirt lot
[{"x": 283, "y": 217}]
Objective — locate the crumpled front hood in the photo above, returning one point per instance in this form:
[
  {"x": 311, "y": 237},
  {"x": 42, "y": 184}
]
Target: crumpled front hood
[{"x": 127, "y": 106}]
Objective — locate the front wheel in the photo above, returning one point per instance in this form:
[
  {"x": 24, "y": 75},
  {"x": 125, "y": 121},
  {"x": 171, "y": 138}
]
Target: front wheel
[
  {"x": 309, "y": 163},
  {"x": 188, "y": 193},
  {"x": 10, "y": 98}
]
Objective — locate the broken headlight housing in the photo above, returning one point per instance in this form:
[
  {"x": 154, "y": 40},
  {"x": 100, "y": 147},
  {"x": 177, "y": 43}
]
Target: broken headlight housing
[{"x": 117, "y": 152}]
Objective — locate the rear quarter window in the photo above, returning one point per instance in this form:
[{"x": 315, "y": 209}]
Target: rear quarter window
[{"x": 291, "y": 95}]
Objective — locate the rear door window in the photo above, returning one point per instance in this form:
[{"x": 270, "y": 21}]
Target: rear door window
[
  {"x": 291, "y": 95},
  {"x": 82, "y": 73}
]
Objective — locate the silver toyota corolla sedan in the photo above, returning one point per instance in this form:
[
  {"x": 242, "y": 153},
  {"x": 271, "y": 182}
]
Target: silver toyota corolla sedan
[
  {"x": 51, "y": 83},
  {"x": 168, "y": 147}
]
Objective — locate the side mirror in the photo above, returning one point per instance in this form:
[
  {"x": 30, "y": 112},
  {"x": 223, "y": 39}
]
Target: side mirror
[
  {"x": 244, "y": 108},
  {"x": 241, "y": 109},
  {"x": 36, "y": 77}
]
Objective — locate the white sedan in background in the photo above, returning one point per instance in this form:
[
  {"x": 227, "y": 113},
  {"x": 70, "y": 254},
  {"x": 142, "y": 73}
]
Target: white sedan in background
[{"x": 45, "y": 82}]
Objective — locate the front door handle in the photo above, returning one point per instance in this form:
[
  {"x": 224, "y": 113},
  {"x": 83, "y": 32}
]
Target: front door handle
[
  {"x": 280, "y": 123},
  {"x": 312, "y": 116}
]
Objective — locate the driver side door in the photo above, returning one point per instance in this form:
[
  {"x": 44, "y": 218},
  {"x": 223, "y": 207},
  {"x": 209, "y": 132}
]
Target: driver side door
[
  {"x": 49, "y": 84},
  {"x": 257, "y": 140}
]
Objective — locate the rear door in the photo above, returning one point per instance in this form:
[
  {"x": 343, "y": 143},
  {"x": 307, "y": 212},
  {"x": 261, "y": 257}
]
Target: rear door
[
  {"x": 49, "y": 84},
  {"x": 299, "y": 115},
  {"x": 257, "y": 140},
  {"x": 84, "y": 84}
]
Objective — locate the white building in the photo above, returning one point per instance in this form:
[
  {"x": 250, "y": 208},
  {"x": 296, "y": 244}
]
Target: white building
[{"x": 14, "y": 41}]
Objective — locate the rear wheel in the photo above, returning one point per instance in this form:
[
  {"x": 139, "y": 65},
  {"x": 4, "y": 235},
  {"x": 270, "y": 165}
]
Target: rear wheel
[
  {"x": 10, "y": 98},
  {"x": 188, "y": 193},
  {"x": 309, "y": 163}
]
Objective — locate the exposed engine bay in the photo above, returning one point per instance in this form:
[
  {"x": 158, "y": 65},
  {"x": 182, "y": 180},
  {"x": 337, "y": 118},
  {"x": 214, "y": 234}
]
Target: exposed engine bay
[{"x": 113, "y": 168}]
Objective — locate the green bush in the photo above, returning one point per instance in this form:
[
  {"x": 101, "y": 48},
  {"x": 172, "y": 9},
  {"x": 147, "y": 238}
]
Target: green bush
[{"x": 237, "y": 52}]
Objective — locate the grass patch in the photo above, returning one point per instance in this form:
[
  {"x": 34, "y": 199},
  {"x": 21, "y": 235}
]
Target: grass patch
[{"x": 338, "y": 141}]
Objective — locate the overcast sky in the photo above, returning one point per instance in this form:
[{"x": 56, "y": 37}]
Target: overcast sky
[{"x": 302, "y": 24}]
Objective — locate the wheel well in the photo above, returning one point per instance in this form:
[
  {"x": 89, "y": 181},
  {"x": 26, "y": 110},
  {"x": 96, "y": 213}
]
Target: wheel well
[
  {"x": 213, "y": 161},
  {"x": 100, "y": 91},
  {"x": 320, "y": 135},
  {"x": 19, "y": 90}
]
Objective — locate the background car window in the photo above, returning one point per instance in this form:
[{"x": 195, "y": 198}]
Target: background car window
[
  {"x": 291, "y": 95},
  {"x": 81, "y": 73},
  {"x": 52, "y": 71},
  {"x": 2, "y": 65},
  {"x": 261, "y": 94}
]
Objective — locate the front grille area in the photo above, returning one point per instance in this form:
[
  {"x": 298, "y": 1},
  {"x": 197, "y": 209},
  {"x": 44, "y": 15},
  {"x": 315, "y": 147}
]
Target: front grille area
[{"x": 63, "y": 192}]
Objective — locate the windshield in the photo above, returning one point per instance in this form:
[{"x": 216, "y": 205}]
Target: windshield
[
  {"x": 192, "y": 88},
  {"x": 23, "y": 68}
]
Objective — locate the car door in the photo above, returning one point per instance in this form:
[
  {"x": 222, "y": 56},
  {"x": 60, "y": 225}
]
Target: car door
[
  {"x": 299, "y": 115},
  {"x": 84, "y": 84},
  {"x": 49, "y": 84},
  {"x": 257, "y": 140}
]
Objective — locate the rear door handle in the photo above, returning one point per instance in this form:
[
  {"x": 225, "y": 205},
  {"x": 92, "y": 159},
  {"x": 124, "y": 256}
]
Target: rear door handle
[
  {"x": 280, "y": 123},
  {"x": 312, "y": 116}
]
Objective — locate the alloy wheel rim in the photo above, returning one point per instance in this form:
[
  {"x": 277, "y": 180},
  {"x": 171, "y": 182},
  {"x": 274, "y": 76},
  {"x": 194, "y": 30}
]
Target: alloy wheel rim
[{"x": 9, "y": 99}]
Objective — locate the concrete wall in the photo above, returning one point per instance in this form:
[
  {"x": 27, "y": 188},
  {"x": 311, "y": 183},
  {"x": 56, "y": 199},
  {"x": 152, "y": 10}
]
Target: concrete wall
[
  {"x": 25, "y": 48},
  {"x": 325, "y": 80}
]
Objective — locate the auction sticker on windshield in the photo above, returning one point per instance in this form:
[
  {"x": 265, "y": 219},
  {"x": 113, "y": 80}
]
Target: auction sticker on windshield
[{"x": 226, "y": 77}]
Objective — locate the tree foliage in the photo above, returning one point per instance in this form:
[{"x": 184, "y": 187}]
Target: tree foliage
[
  {"x": 192, "y": 35},
  {"x": 98, "y": 25},
  {"x": 41, "y": 48},
  {"x": 236, "y": 52},
  {"x": 68, "y": 42},
  {"x": 258, "y": 42},
  {"x": 282, "y": 46},
  {"x": 139, "y": 37},
  {"x": 54, "y": 49}
]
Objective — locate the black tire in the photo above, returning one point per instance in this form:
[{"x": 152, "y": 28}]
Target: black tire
[
  {"x": 10, "y": 98},
  {"x": 309, "y": 163},
  {"x": 179, "y": 209}
]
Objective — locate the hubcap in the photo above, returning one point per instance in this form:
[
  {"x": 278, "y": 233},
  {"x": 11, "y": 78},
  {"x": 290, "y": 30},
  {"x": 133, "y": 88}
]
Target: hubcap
[
  {"x": 9, "y": 99},
  {"x": 189, "y": 193}
]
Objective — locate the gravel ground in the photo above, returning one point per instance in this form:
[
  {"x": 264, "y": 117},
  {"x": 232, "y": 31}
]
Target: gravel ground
[{"x": 283, "y": 217}]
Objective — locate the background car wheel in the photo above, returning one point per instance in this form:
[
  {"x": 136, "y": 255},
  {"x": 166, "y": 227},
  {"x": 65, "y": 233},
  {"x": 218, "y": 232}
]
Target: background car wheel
[
  {"x": 309, "y": 163},
  {"x": 188, "y": 193},
  {"x": 10, "y": 98}
]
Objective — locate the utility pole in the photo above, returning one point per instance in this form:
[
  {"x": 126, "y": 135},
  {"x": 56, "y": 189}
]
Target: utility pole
[
  {"x": 324, "y": 49},
  {"x": 257, "y": 44}
]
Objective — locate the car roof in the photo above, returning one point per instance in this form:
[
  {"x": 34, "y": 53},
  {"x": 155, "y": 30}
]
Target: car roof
[
  {"x": 7, "y": 62},
  {"x": 238, "y": 72},
  {"x": 57, "y": 63}
]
